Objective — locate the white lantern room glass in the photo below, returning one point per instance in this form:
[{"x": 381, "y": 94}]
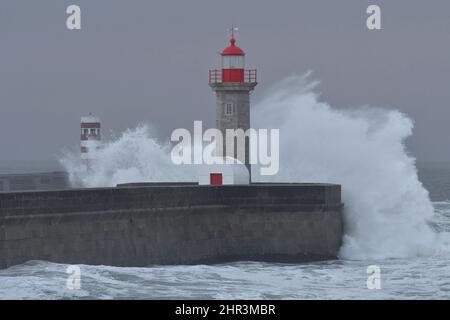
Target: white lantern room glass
[{"x": 233, "y": 62}]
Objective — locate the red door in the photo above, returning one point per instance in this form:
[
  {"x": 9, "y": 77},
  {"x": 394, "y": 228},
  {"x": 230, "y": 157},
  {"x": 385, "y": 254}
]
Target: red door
[{"x": 216, "y": 179}]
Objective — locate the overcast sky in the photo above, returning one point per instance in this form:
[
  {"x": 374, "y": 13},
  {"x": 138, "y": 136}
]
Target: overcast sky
[{"x": 147, "y": 61}]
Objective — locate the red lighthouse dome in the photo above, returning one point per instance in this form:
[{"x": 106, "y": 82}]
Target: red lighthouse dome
[{"x": 232, "y": 49}]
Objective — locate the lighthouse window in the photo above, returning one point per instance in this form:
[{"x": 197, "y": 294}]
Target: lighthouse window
[
  {"x": 229, "y": 108},
  {"x": 85, "y": 131},
  {"x": 93, "y": 131},
  {"x": 233, "y": 62}
]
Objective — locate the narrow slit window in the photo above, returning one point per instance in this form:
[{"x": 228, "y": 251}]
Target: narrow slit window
[{"x": 229, "y": 109}]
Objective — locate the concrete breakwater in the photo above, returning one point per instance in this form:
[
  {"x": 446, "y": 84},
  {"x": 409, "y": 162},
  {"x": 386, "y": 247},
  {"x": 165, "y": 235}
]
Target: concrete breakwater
[{"x": 172, "y": 224}]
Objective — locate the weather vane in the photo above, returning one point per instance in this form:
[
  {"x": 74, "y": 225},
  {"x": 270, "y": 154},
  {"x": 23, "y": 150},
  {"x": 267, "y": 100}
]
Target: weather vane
[{"x": 232, "y": 30}]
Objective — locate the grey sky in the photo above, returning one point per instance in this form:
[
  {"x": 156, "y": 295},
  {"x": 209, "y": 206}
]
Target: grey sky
[{"x": 147, "y": 61}]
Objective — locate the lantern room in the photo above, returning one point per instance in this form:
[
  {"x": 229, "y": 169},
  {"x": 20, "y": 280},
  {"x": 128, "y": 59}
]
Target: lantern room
[
  {"x": 233, "y": 63},
  {"x": 233, "y": 66}
]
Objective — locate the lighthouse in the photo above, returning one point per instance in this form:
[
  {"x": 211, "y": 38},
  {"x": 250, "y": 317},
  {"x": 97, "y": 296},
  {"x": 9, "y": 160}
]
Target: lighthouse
[
  {"x": 90, "y": 137},
  {"x": 232, "y": 85}
]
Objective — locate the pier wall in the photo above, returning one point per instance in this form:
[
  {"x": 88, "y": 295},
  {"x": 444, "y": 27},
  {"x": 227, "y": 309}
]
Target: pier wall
[{"x": 165, "y": 224}]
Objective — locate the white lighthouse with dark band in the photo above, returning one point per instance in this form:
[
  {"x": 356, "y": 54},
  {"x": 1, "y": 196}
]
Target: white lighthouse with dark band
[{"x": 90, "y": 137}]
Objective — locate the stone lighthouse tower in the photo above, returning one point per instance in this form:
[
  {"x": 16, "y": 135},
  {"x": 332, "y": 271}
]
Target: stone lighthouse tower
[{"x": 232, "y": 85}]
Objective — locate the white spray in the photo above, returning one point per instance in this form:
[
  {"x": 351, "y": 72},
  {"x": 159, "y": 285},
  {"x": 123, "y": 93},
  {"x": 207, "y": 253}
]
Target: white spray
[
  {"x": 134, "y": 157},
  {"x": 386, "y": 206}
]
